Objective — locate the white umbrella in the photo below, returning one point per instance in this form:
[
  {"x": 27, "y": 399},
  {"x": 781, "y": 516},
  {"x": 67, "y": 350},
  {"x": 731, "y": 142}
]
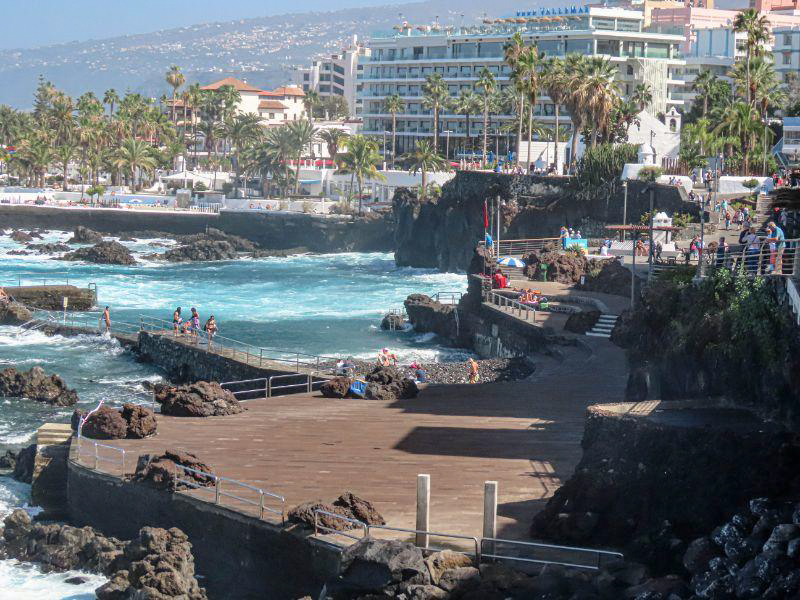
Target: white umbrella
[{"x": 510, "y": 261}]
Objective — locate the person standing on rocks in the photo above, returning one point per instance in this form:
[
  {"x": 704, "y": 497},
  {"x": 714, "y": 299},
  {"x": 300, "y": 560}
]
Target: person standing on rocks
[
  {"x": 107, "y": 319},
  {"x": 474, "y": 375}
]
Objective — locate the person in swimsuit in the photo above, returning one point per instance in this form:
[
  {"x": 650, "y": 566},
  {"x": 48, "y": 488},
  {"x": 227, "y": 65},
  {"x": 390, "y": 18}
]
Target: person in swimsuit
[
  {"x": 176, "y": 321},
  {"x": 194, "y": 325},
  {"x": 211, "y": 329},
  {"x": 473, "y": 371},
  {"x": 107, "y": 319}
]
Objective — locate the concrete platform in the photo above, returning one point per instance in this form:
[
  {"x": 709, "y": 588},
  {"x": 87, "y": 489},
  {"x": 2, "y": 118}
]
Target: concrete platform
[{"x": 525, "y": 435}]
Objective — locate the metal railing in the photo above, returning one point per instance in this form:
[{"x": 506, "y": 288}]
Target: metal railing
[
  {"x": 758, "y": 261},
  {"x": 244, "y": 351},
  {"x": 95, "y": 456},
  {"x": 557, "y": 552},
  {"x": 267, "y": 387},
  {"x": 89, "y": 320},
  {"x": 523, "y": 311},
  {"x": 521, "y": 247},
  {"x": 484, "y": 548},
  {"x": 220, "y": 493},
  {"x": 448, "y": 297},
  {"x": 54, "y": 277}
]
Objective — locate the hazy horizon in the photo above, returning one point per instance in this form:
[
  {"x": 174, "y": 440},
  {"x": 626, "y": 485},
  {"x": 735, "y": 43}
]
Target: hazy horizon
[{"x": 48, "y": 22}]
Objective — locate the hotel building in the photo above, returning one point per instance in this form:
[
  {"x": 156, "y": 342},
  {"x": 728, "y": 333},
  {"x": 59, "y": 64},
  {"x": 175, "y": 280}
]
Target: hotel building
[
  {"x": 786, "y": 51},
  {"x": 400, "y": 62},
  {"x": 336, "y": 75}
]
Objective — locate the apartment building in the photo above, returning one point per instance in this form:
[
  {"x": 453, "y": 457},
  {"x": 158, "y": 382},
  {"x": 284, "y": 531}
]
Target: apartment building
[
  {"x": 786, "y": 51},
  {"x": 400, "y": 62},
  {"x": 336, "y": 75},
  {"x": 274, "y": 107}
]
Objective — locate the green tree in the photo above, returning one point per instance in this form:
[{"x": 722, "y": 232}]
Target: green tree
[
  {"x": 65, "y": 153},
  {"x": 134, "y": 155},
  {"x": 642, "y": 96},
  {"x": 361, "y": 162},
  {"x": 394, "y": 104},
  {"x": 467, "y": 103},
  {"x": 311, "y": 101},
  {"x": 303, "y": 134},
  {"x": 512, "y": 50},
  {"x": 435, "y": 95},
  {"x": 333, "y": 140},
  {"x": 756, "y": 26},
  {"x": 556, "y": 82},
  {"x": 424, "y": 159},
  {"x": 175, "y": 79},
  {"x": 241, "y": 131}
]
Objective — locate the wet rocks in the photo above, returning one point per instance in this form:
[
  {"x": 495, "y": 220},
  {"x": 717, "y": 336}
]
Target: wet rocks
[
  {"x": 8, "y": 460},
  {"x": 347, "y": 505},
  {"x": 48, "y": 248},
  {"x": 107, "y": 423},
  {"x": 23, "y": 468},
  {"x": 200, "y": 399},
  {"x": 21, "y": 237},
  {"x": 14, "y": 313},
  {"x": 202, "y": 250},
  {"x": 84, "y": 235},
  {"x": 389, "y": 383},
  {"x": 239, "y": 244},
  {"x": 156, "y": 564},
  {"x": 393, "y": 322},
  {"x": 36, "y": 385},
  {"x": 107, "y": 253},
  {"x": 162, "y": 471},
  {"x": 428, "y": 315}
]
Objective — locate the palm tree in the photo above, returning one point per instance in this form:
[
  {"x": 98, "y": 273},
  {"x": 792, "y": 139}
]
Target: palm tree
[
  {"x": 528, "y": 66},
  {"x": 278, "y": 147},
  {"x": 361, "y": 160},
  {"x": 111, "y": 98},
  {"x": 311, "y": 101},
  {"x": 37, "y": 154},
  {"x": 424, "y": 158},
  {"x": 512, "y": 50},
  {"x": 556, "y": 83},
  {"x": 741, "y": 122},
  {"x": 133, "y": 155},
  {"x": 703, "y": 85},
  {"x": 601, "y": 93},
  {"x": 241, "y": 130},
  {"x": 467, "y": 103},
  {"x": 65, "y": 153},
  {"x": 435, "y": 91},
  {"x": 333, "y": 139},
  {"x": 642, "y": 95},
  {"x": 303, "y": 134},
  {"x": 394, "y": 104},
  {"x": 756, "y": 26},
  {"x": 175, "y": 79},
  {"x": 195, "y": 99},
  {"x": 575, "y": 101},
  {"x": 487, "y": 83}
]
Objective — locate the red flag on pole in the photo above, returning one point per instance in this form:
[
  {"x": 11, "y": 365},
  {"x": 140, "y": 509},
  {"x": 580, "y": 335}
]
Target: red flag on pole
[{"x": 485, "y": 215}]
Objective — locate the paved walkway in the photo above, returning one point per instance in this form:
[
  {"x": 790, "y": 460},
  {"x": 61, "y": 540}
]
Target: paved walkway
[{"x": 525, "y": 435}]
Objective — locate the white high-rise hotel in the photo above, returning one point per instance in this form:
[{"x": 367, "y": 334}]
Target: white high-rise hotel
[{"x": 399, "y": 64}]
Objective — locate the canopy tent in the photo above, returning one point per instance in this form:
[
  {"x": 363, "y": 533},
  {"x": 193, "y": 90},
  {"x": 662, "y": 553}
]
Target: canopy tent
[{"x": 188, "y": 176}]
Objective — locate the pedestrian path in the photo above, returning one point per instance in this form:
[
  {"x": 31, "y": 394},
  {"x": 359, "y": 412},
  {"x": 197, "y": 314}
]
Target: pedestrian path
[{"x": 604, "y": 326}]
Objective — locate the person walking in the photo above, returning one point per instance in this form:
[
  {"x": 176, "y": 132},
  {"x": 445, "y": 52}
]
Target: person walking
[
  {"x": 777, "y": 237},
  {"x": 194, "y": 326},
  {"x": 107, "y": 319},
  {"x": 474, "y": 375},
  {"x": 210, "y": 328}
]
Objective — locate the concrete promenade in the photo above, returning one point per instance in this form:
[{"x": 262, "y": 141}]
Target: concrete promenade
[{"x": 525, "y": 435}]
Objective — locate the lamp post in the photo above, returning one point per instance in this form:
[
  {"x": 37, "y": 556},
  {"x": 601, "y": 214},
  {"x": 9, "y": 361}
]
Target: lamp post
[
  {"x": 384, "y": 149},
  {"x": 652, "y": 135},
  {"x": 624, "y": 207},
  {"x": 447, "y": 144}
]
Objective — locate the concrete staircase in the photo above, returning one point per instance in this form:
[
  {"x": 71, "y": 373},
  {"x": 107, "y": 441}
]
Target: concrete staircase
[{"x": 603, "y": 326}]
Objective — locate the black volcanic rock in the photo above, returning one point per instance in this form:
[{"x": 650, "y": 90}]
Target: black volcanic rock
[
  {"x": 36, "y": 385},
  {"x": 84, "y": 235},
  {"x": 107, "y": 253}
]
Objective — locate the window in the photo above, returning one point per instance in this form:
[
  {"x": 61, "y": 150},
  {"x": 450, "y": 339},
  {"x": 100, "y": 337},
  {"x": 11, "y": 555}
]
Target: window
[
  {"x": 465, "y": 50},
  {"x": 551, "y": 47},
  {"x": 325, "y": 88},
  {"x": 337, "y": 79},
  {"x": 437, "y": 51},
  {"x": 633, "y": 48},
  {"x": 579, "y": 46},
  {"x": 417, "y": 52},
  {"x": 655, "y": 50},
  {"x": 305, "y": 76},
  {"x": 787, "y": 58},
  {"x": 490, "y": 49},
  {"x": 603, "y": 23},
  {"x": 271, "y": 115},
  {"x": 791, "y": 137},
  {"x": 629, "y": 70},
  {"x": 787, "y": 39},
  {"x": 338, "y": 69},
  {"x": 324, "y": 77},
  {"x": 608, "y": 47}
]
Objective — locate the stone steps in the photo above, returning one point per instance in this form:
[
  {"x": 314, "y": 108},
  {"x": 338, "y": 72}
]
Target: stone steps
[{"x": 604, "y": 326}]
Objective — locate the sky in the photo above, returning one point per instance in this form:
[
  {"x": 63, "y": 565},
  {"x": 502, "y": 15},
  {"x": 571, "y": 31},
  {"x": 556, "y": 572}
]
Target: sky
[{"x": 32, "y": 23}]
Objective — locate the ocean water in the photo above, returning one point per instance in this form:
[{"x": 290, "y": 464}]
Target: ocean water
[{"x": 321, "y": 304}]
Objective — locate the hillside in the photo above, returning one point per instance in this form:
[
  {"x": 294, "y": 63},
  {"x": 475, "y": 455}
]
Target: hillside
[{"x": 261, "y": 50}]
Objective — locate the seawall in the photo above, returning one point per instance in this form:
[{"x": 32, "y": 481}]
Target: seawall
[
  {"x": 239, "y": 557},
  {"x": 51, "y": 297},
  {"x": 271, "y": 230}
]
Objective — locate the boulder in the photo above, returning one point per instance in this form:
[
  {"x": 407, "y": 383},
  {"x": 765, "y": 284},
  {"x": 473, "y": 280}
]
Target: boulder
[
  {"x": 157, "y": 564},
  {"x": 23, "y": 469},
  {"x": 389, "y": 383},
  {"x": 608, "y": 277},
  {"x": 106, "y": 253},
  {"x": 107, "y": 423},
  {"x": 581, "y": 322},
  {"x": 36, "y": 385},
  {"x": 393, "y": 322},
  {"x": 428, "y": 315},
  {"x": 347, "y": 505},
  {"x": 8, "y": 460},
  {"x": 160, "y": 471},
  {"x": 140, "y": 419},
  {"x": 239, "y": 244},
  {"x": 84, "y": 235},
  {"x": 338, "y": 387},
  {"x": 370, "y": 565},
  {"x": 460, "y": 578},
  {"x": 483, "y": 262},
  {"x": 566, "y": 267},
  {"x": 14, "y": 313},
  {"x": 446, "y": 560},
  {"x": 21, "y": 237},
  {"x": 202, "y": 250},
  {"x": 200, "y": 399},
  {"x": 699, "y": 554}
]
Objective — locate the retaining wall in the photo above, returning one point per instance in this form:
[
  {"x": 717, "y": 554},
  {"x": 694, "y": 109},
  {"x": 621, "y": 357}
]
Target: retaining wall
[{"x": 237, "y": 555}]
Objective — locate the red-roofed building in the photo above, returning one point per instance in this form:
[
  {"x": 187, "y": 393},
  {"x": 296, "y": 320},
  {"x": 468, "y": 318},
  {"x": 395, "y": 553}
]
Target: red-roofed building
[{"x": 278, "y": 106}]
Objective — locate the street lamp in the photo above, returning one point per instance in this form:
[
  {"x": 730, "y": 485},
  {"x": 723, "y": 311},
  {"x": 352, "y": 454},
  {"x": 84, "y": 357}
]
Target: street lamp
[
  {"x": 447, "y": 144},
  {"x": 652, "y": 135},
  {"x": 624, "y": 207}
]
